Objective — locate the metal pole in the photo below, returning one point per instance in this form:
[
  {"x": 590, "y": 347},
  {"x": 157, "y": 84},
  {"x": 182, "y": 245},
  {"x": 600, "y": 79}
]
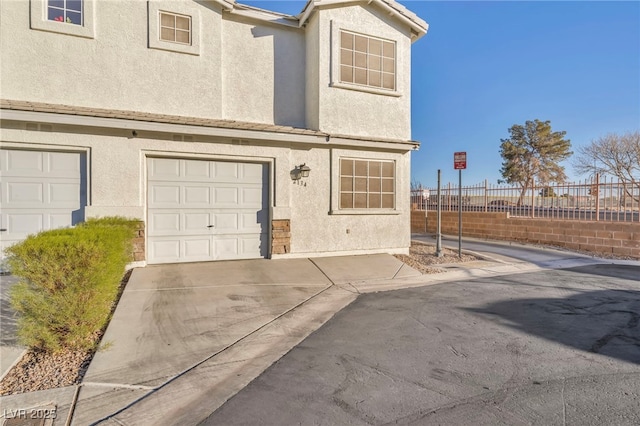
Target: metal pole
[
  {"x": 438, "y": 219},
  {"x": 460, "y": 213}
]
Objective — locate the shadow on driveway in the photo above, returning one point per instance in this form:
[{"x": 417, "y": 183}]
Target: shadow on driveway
[{"x": 600, "y": 321}]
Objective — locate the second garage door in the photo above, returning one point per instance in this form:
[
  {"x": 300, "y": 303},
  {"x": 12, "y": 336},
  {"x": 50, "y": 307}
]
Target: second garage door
[{"x": 206, "y": 210}]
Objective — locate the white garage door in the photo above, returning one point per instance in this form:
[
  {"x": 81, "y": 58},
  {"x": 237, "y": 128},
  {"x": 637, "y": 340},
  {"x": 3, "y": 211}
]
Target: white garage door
[
  {"x": 40, "y": 190},
  {"x": 206, "y": 210}
]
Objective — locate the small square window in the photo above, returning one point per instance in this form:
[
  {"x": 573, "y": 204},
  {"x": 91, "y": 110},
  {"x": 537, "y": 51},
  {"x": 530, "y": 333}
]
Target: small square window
[{"x": 175, "y": 28}]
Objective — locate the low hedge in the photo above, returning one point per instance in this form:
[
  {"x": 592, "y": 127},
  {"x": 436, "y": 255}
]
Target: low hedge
[{"x": 69, "y": 280}]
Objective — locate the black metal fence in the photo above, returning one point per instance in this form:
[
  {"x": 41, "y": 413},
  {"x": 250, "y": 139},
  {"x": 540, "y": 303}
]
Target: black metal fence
[{"x": 595, "y": 199}]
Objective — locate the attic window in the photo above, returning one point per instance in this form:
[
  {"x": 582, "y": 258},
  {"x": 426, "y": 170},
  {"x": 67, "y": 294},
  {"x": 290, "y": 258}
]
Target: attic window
[
  {"x": 367, "y": 61},
  {"x": 175, "y": 28}
]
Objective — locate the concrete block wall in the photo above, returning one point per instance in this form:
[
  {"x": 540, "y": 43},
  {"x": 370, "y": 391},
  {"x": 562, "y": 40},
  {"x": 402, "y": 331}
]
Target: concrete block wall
[{"x": 618, "y": 238}]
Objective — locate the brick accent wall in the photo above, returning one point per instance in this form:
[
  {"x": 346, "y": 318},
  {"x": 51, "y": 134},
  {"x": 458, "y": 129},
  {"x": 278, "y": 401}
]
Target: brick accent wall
[
  {"x": 619, "y": 238},
  {"x": 280, "y": 236},
  {"x": 139, "y": 250}
]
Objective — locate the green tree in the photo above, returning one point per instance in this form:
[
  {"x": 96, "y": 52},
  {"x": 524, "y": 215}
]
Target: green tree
[{"x": 533, "y": 152}]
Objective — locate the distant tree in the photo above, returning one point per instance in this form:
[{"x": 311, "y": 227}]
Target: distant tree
[
  {"x": 614, "y": 155},
  {"x": 533, "y": 151}
]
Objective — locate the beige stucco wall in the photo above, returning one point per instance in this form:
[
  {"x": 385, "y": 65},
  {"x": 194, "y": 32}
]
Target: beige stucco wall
[
  {"x": 359, "y": 112},
  {"x": 117, "y": 183},
  {"x": 115, "y": 69},
  {"x": 263, "y": 73}
]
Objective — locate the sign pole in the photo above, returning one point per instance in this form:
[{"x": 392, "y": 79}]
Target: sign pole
[
  {"x": 460, "y": 213},
  {"x": 459, "y": 164},
  {"x": 438, "y": 221}
]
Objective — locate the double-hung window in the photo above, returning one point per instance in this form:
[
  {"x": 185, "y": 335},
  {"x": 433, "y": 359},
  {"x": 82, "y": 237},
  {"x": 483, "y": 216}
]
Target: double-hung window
[
  {"x": 367, "y": 184},
  {"x": 367, "y": 61}
]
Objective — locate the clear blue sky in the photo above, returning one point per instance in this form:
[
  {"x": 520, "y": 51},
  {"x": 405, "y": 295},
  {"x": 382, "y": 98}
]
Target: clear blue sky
[{"x": 484, "y": 66}]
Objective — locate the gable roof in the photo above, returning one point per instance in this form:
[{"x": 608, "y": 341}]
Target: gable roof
[{"x": 395, "y": 10}]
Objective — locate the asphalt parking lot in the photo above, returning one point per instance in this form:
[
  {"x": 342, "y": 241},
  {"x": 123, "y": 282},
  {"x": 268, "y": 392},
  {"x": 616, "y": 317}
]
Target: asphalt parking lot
[{"x": 550, "y": 347}]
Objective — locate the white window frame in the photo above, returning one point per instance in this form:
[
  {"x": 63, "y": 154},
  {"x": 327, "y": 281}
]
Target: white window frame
[
  {"x": 40, "y": 21},
  {"x": 173, "y": 8},
  {"x": 336, "y": 29},
  {"x": 339, "y": 154}
]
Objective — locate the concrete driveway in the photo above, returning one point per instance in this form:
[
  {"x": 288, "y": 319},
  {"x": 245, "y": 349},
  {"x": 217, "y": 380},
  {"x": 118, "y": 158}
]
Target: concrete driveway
[{"x": 550, "y": 347}]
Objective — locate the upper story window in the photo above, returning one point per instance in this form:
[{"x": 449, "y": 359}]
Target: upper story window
[
  {"x": 367, "y": 61},
  {"x": 175, "y": 28},
  {"x": 68, "y": 11},
  {"x": 367, "y": 184},
  {"x": 70, "y": 17}
]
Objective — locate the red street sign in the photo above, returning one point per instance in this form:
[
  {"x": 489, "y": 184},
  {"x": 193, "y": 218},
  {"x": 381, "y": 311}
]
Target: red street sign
[{"x": 459, "y": 160}]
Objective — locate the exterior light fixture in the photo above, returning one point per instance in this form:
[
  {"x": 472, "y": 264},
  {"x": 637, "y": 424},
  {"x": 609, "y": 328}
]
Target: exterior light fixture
[{"x": 301, "y": 171}]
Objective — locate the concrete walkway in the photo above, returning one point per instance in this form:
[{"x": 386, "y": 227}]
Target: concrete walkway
[{"x": 189, "y": 333}]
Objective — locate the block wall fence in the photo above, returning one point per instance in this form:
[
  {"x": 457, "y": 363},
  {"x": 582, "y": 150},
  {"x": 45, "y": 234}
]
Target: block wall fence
[{"x": 622, "y": 239}]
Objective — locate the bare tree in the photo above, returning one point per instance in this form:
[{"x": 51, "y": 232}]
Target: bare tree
[{"x": 613, "y": 155}]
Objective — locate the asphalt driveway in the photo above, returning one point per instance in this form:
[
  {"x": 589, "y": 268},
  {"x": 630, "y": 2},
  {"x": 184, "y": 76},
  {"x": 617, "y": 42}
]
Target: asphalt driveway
[{"x": 550, "y": 347}]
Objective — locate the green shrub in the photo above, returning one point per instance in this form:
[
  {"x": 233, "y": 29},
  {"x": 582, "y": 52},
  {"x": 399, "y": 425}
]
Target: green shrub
[{"x": 69, "y": 280}]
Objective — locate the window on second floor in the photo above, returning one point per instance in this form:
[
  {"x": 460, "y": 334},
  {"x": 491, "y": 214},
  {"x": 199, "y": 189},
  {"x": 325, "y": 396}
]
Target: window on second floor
[
  {"x": 175, "y": 28},
  {"x": 67, "y": 11},
  {"x": 69, "y": 17},
  {"x": 367, "y": 61}
]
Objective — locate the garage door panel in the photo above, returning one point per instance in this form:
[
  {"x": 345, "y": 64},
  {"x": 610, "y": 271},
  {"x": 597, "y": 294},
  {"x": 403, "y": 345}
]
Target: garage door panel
[
  {"x": 64, "y": 194},
  {"x": 225, "y": 196},
  {"x": 25, "y": 193},
  {"x": 251, "y": 197},
  {"x": 23, "y": 163},
  {"x": 197, "y": 249},
  {"x": 197, "y": 195},
  {"x": 226, "y": 172},
  {"x": 25, "y": 224},
  {"x": 163, "y": 223},
  {"x": 252, "y": 173},
  {"x": 165, "y": 250},
  {"x": 57, "y": 220},
  {"x": 225, "y": 222},
  {"x": 163, "y": 168},
  {"x": 63, "y": 164},
  {"x": 196, "y": 170},
  {"x": 164, "y": 196},
  {"x": 250, "y": 222},
  {"x": 197, "y": 222}
]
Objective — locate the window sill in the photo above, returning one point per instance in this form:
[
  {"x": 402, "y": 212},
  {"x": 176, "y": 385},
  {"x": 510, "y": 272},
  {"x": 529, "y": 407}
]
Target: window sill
[
  {"x": 362, "y": 212},
  {"x": 366, "y": 89}
]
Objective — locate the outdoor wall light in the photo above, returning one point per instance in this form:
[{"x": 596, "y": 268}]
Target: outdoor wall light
[{"x": 301, "y": 171}]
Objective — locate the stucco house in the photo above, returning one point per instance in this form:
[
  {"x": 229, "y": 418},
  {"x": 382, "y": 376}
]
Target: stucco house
[{"x": 229, "y": 131}]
